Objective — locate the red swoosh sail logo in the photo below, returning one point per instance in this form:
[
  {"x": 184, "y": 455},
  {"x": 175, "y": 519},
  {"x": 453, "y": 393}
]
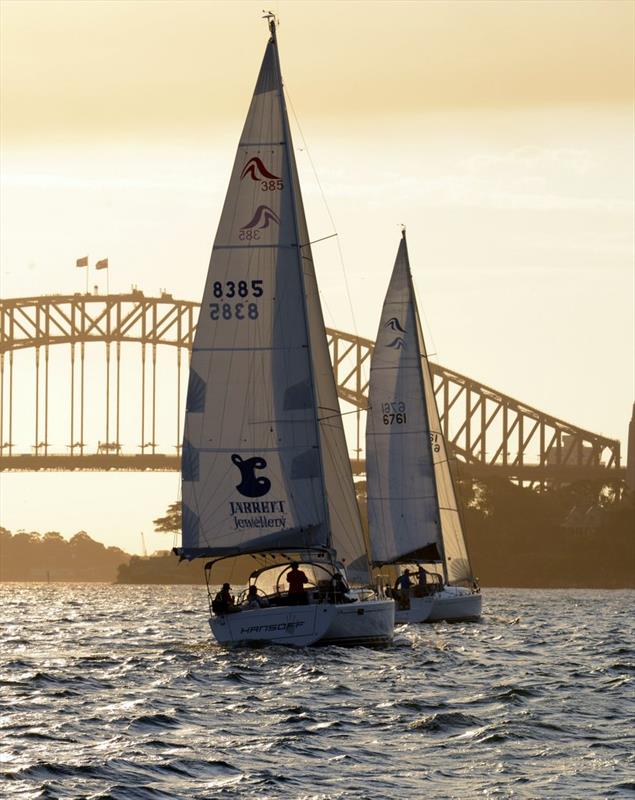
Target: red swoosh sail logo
[
  {"x": 261, "y": 219},
  {"x": 257, "y": 170}
]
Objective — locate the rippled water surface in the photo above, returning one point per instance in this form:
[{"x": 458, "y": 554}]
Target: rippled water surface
[{"x": 118, "y": 692}]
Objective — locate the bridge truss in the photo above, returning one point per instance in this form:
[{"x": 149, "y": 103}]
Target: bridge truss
[{"x": 488, "y": 431}]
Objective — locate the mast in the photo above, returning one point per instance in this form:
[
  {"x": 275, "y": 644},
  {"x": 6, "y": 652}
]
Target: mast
[
  {"x": 292, "y": 172},
  {"x": 421, "y": 356}
]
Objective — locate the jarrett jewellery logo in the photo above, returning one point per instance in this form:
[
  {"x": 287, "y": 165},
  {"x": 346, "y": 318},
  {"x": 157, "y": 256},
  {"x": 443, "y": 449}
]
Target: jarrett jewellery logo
[
  {"x": 250, "y": 485},
  {"x": 255, "y": 513},
  {"x": 398, "y": 342}
]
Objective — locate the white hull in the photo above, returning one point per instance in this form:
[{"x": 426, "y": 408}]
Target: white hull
[
  {"x": 297, "y": 626},
  {"x": 419, "y": 611},
  {"x": 365, "y": 622},
  {"x": 454, "y": 603}
]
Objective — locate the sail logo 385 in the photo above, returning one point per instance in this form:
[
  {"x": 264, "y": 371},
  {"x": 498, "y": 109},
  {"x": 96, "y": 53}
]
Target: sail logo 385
[
  {"x": 262, "y": 218},
  {"x": 257, "y": 171}
]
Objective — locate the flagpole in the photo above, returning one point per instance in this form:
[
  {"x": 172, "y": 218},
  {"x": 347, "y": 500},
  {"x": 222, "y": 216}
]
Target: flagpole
[{"x": 87, "y": 268}]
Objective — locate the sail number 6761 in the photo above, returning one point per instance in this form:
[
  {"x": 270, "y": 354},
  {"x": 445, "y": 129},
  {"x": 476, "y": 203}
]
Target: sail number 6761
[{"x": 394, "y": 412}]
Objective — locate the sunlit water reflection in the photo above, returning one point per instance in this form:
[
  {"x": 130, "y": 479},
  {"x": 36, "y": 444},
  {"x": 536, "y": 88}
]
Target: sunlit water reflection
[{"x": 118, "y": 692}]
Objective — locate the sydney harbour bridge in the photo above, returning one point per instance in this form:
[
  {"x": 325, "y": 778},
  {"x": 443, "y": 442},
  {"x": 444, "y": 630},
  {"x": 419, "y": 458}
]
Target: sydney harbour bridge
[{"x": 117, "y": 364}]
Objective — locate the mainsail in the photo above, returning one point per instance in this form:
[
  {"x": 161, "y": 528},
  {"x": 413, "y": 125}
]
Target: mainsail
[
  {"x": 412, "y": 508},
  {"x": 265, "y": 463}
]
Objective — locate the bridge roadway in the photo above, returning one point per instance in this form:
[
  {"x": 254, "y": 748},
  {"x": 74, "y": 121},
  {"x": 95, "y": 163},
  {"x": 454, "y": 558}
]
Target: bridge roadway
[
  {"x": 102, "y": 462},
  {"x": 488, "y": 432}
]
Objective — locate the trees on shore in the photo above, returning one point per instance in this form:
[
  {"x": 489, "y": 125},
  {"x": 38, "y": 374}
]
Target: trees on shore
[
  {"x": 575, "y": 535},
  {"x": 30, "y": 556}
]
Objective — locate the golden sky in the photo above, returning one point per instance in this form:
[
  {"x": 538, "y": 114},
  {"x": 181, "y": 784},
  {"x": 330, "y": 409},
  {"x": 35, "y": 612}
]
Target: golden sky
[
  {"x": 86, "y": 68},
  {"x": 501, "y": 133}
]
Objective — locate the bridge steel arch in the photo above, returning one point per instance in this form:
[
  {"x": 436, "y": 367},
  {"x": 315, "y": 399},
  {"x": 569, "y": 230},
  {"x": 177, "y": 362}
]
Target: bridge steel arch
[
  {"x": 488, "y": 431},
  {"x": 78, "y": 320}
]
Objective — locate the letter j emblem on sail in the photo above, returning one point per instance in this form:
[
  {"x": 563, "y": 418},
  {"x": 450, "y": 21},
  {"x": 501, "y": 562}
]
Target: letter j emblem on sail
[{"x": 250, "y": 485}]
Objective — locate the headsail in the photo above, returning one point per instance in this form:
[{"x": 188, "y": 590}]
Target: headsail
[
  {"x": 412, "y": 509},
  {"x": 265, "y": 463}
]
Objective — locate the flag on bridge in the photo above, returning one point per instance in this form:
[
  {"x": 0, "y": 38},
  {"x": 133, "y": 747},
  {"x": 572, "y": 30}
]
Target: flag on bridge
[
  {"x": 82, "y": 262},
  {"x": 103, "y": 264}
]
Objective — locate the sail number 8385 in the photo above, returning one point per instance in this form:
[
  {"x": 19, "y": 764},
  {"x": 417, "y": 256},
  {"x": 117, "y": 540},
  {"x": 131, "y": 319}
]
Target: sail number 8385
[
  {"x": 394, "y": 413},
  {"x": 233, "y": 310},
  {"x": 241, "y": 308},
  {"x": 243, "y": 289}
]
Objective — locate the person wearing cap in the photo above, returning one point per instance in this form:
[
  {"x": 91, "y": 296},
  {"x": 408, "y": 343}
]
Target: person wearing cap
[
  {"x": 224, "y": 601},
  {"x": 296, "y": 580}
]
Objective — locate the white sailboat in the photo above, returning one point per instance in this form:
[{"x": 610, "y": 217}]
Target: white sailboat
[
  {"x": 413, "y": 516},
  {"x": 266, "y": 476}
]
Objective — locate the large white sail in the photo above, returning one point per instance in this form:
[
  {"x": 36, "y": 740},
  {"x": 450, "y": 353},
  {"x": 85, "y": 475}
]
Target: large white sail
[
  {"x": 265, "y": 463},
  {"x": 412, "y": 509}
]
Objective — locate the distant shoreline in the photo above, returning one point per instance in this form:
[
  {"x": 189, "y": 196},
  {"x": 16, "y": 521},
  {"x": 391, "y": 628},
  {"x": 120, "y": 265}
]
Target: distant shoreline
[{"x": 40, "y": 582}]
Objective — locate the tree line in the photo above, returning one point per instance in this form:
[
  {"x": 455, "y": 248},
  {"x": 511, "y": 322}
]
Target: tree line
[
  {"x": 574, "y": 535},
  {"x": 31, "y": 556}
]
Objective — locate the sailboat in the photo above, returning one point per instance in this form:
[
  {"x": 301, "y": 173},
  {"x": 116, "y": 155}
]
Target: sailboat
[
  {"x": 413, "y": 516},
  {"x": 266, "y": 476}
]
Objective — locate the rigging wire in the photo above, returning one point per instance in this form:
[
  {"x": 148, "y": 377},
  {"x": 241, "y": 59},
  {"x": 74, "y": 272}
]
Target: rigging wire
[
  {"x": 328, "y": 210},
  {"x": 339, "y": 245}
]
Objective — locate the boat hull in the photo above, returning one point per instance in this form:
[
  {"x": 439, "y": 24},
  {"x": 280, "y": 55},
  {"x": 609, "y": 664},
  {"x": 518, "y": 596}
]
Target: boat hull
[
  {"x": 295, "y": 626},
  {"x": 419, "y": 611},
  {"x": 364, "y": 622},
  {"x": 455, "y": 604}
]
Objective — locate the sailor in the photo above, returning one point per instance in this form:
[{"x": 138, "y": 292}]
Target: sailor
[
  {"x": 403, "y": 584},
  {"x": 296, "y": 580},
  {"x": 253, "y": 601},
  {"x": 339, "y": 589},
  {"x": 224, "y": 600},
  {"x": 422, "y": 581}
]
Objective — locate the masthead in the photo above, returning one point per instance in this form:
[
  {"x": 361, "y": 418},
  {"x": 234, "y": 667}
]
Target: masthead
[{"x": 271, "y": 19}]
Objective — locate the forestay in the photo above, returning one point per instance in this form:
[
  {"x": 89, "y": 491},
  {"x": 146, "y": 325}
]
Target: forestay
[
  {"x": 265, "y": 462},
  {"x": 412, "y": 508}
]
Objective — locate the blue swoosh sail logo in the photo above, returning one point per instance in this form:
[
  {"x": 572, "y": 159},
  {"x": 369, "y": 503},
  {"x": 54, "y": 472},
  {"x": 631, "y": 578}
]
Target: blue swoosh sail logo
[{"x": 394, "y": 325}]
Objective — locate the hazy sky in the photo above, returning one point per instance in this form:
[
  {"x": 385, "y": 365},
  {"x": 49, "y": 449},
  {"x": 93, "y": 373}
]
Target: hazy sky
[{"x": 499, "y": 132}]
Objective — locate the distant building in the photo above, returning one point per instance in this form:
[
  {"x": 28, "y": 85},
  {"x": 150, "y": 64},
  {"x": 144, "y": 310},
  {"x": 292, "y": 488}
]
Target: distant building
[
  {"x": 630, "y": 454},
  {"x": 570, "y": 453}
]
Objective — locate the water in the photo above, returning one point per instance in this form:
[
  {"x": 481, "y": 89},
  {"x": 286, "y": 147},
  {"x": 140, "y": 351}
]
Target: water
[{"x": 118, "y": 692}]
